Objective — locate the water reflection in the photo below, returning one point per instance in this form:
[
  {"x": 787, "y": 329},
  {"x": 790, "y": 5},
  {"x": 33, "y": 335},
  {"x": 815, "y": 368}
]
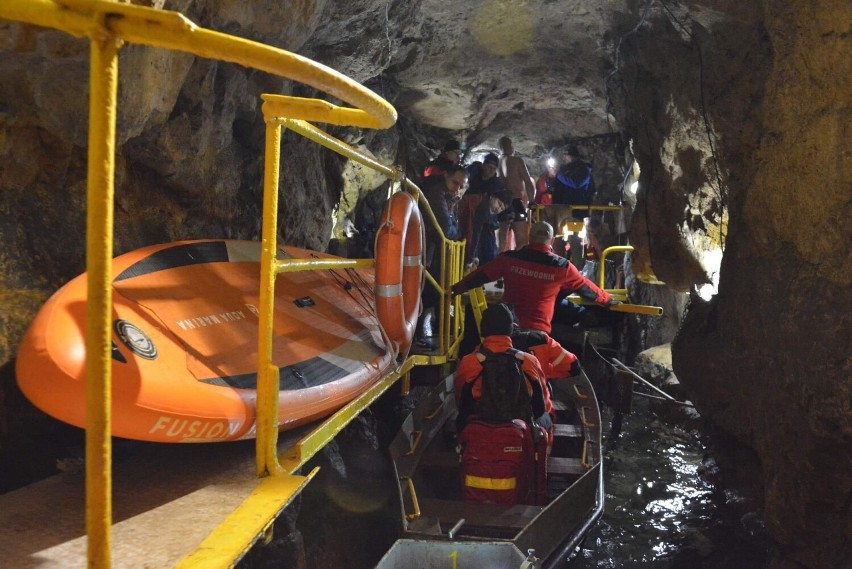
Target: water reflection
[{"x": 660, "y": 511}]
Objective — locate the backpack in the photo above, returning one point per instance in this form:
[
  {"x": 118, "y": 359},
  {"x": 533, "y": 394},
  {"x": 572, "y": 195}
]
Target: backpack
[
  {"x": 504, "y": 388},
  {"x": 571, "y": 180},
  {"x": 574, "y": 185}
]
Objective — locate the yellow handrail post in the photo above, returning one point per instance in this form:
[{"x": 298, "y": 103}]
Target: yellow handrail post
[
  {"x": 443, "y": 313},
  {"x": 478, "y": 303},
  {"x": 455, "y": 276},
  {"x": 604, "y": 254},
  {"x": 103, "y": 78},
  {"x": 266, "y": 441}
]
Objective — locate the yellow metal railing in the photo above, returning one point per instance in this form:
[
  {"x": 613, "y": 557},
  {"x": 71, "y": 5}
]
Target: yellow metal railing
[
  {"x": 103, "y": 80},
  {"x": 451, "y": 252},
  {"x": 479, "y": 304},
  {"x": 450, "y": 327},
  {"x": 478, "y": 300},
  {"x": 644, "y": 273},
  {"x": 602, "y": 268},
  {"x": 537, "y": 209}
]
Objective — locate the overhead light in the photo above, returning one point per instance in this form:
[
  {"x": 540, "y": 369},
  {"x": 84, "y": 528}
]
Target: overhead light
[
  {"x": 633, "y": 187},
  {"x": 551, "y": 162},
  {"x": 706, "y": 291}
]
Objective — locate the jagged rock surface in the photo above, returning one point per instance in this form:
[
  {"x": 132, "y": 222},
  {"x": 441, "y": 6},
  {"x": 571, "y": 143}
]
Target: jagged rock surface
[{"x": 737, "y": 113}]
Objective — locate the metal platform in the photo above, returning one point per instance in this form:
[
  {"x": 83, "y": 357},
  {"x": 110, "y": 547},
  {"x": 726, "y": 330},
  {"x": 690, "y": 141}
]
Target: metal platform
[{"x": 167, "y": 499}]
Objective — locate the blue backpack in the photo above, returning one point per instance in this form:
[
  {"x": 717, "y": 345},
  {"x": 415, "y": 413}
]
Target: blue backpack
[{"x": 573, "y": 187}]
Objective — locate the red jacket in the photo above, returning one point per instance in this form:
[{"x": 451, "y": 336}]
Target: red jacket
[
  {"x": 533, "y": 277},
  {"x": 556, "y": 362},
  {"x": 470, "y": 369},
  {"x": 544, "y": 189}
]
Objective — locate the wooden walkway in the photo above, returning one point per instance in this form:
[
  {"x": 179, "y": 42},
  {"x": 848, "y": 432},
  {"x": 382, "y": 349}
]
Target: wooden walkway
[{"x": 166, "y": 501}]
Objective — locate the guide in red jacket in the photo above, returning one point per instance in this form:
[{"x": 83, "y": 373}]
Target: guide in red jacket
[{"x": 533, "y": 277}]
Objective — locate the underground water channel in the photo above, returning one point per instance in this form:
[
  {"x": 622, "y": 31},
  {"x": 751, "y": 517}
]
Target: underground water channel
[{"x": 665, "y": 508}]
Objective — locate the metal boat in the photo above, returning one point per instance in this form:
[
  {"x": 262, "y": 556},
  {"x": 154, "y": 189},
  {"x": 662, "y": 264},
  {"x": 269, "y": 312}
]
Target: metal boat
[{"x": 439, "y": 529}]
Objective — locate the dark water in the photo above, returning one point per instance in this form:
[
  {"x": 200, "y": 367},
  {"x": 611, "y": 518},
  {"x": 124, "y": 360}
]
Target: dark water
[{"x": 662, "y": 511}]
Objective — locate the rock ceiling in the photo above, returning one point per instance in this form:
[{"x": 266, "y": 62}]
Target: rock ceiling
[{"x": 531, "y": 70}]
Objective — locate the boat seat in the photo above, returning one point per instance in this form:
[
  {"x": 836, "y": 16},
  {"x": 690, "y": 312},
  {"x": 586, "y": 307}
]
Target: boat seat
[
  {"x": 449, "y": 512},
  {"x": 565, "y": 430},
  {"x": 565, "y": 466},
  {"x": 443, "y": 459}
]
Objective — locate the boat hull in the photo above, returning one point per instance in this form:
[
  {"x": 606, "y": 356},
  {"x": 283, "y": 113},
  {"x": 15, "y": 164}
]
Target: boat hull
[
  {"x": 184, "y": 356},
  {"x": 432, "y": 511}
]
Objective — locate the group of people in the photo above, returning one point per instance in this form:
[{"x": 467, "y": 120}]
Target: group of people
[
  {"x": 500, "y": 192},
  {"x": 486, "y": 204},
  {"x": 535, "y": 278},
  {"x": 494, "y": 206}
]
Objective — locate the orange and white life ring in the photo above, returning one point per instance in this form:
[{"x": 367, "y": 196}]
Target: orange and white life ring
[{"x": 399, "y": 268}]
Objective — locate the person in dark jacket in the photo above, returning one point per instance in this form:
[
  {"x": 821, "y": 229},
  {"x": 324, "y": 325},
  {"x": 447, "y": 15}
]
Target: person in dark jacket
[
  {"x": 443, "y": 194},
  {"x": 476, "y": 220},
  {"x": 533, "y": 277},
  {"x": 574, "y": 184},
  {"x": 449, "y": 156},
  {"x": 483, "y": 248}
]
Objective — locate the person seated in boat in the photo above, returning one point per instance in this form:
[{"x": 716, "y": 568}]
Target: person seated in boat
[
  {"x": 556, "y": 362},
  {"x": 533, "y": 277},
  {"x": 530, "y": 403}
]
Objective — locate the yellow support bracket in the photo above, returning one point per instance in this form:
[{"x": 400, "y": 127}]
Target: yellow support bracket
[
  {"x": 252, "y": 519},
  {"x": 624, "y": 307}
]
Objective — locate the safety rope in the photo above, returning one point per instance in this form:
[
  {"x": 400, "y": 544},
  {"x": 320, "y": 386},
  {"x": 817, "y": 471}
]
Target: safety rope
[{"x": 618, "y": 366}]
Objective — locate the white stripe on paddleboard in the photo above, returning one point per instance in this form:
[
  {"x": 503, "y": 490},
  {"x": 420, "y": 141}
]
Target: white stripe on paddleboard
[
  {"x": 355, "y": 353},
  {"x": 243, "y": 251}
]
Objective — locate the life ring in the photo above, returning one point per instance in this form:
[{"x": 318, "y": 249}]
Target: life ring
[{"x": 399, "y": 268}]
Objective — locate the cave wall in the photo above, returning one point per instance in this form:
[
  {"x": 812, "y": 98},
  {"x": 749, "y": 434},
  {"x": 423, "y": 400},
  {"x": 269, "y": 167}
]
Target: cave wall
[
  {"x": 739, "y": 115},
  {"x": 189, "y": 145}
]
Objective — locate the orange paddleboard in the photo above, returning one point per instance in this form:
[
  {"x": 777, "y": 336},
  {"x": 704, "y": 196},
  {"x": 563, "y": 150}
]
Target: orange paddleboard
[{"x": 185, "y": 343}]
